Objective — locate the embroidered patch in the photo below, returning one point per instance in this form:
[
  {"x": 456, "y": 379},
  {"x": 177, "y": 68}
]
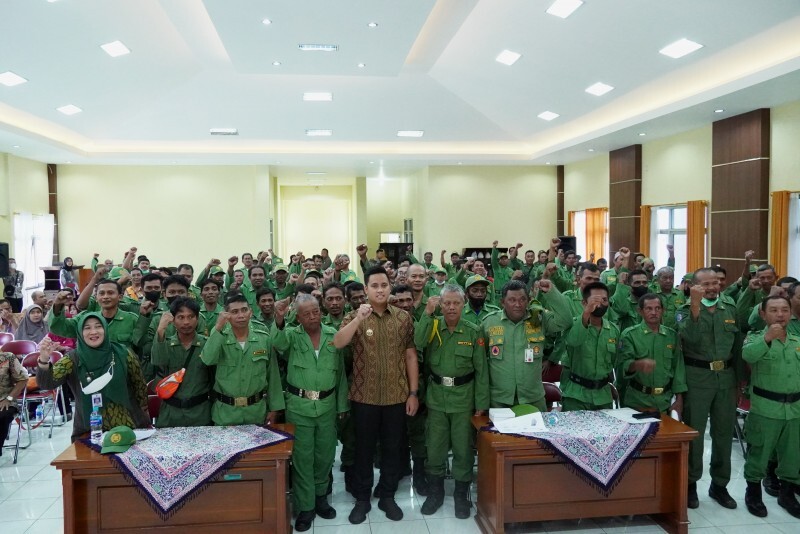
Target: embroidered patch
[
  {"x": 495, "y": 351},
  {"x": 496, "y": 330},
  {"x": 612, "y": 340},
  {"x": 116, "y": 438},
  {"x": 670, "y": 347},
  {"x": 536, "y": 349},
  {"x": 481, "y": 342}
]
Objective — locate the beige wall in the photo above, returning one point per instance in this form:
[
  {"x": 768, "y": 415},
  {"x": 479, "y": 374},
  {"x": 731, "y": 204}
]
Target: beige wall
[
  {"x": 386, "y": 208},
  {"x": 678, "y": 168},
  {"x": 586, "y": 185},
  {"x": 785, "y": 164},
  {"x": 23, "y": 188}
]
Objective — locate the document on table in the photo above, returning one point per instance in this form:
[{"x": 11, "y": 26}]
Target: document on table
[
  {"x": 626, "y": 415},
  {"x": 499, "y": 414},
  {"x": 524, "y": 424}
]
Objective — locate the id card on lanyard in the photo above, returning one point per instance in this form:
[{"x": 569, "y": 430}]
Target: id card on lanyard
[
  {"x": 529, "y": 355},
  {"x": 97, "y": 400}
]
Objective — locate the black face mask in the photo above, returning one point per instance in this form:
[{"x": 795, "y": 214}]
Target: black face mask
[
  {"x": 152, "y": 296},
  {"x": 600, "y": 311},
  {"x": 639, "y": 291},
  {"x": 173, "y": 298},
  {"x": 476, "y": 302}
]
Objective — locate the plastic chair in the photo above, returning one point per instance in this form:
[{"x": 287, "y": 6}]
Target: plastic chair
[
  {"x": 31, "y": 362},
  {"x": 20, "y": 347},
  {"x": 553, "y": 374},
  {"x": 5, "y": 337},
  {"x": 22, "y": 415},
  {"x": 552, "y": 395}
]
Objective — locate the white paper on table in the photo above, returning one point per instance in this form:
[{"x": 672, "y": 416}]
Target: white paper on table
[
  {"x": 499, "y": 414},
  {"x": 533, "y": 422},
  {"x": 143, "y": 433},
  {"x": 626, "y": 416}
]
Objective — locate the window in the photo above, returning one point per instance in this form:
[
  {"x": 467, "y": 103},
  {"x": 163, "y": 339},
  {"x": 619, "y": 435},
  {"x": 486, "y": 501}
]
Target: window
[
  {"x": 391, "y": 237},
  {"x": 669, "y": 228},
  {"x": 33, "y": 248},
  {"x": 579, "y": 231},
  {"x": 794, "y": 236}
]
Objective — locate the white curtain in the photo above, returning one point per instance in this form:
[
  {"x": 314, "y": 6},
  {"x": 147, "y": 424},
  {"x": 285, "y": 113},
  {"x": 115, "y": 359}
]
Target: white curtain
[{"x": 33, "y": 248}]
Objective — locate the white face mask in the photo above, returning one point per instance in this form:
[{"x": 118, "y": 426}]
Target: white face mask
[
  {"x": 99, "y": 383},
  {"x": 12, "y": 265}
]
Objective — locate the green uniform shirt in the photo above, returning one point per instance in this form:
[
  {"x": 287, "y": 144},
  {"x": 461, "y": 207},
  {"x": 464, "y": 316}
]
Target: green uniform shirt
[
  {"x": 332, "y": 321},
  {"x": 454, "y": 354},
  {"x": 501, "y": 274},
  {"x": 624, "y": 305},
  {"x": 491, "y": 296},
  {"x": 671, "y": 302},
  {"x": 476, "y": 317},
  {"x": 120, "y": 329},
  {"x": 774, "y": 367},
  {"x": 591, "y": 353},
  {"x": 209, "y": 318},
  {"x": 744, "y": 305},
  {"x": 638, "y": 342},
  {"x": 243, "y": 372},
  {"x": 563, "y": 278},
  {"x": 169, "y": 356},
  {"x": 714, "y": 336}
]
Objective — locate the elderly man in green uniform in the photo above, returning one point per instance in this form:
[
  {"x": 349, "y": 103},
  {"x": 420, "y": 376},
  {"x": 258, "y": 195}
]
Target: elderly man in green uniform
[
  {"x": 477, "y": 308},
  {"x": 121, "y": 324},
  {"x": 210, "y": 308},
  {"x": 671, "y": 297},
  {"x": 591, "y": 352},
  {"x": 711, "y": 351},
  {"x": 652, "y": 361},
  {"x": 247, "y": 386},
  {"x": 316, "y": 391},
  {"x": 435, "y": 286},
  {"x": 758, "y": 288},
  {"x": 417, "y": 277},
  {"x": 609, "y": 276},
  {"x": 773, "y": 424},
  {"x": 516, "y": 342},
  {"x": 455, "y": 352},
  {"x": 500, "y": 268},
  {"x": 190, "y": 405}
]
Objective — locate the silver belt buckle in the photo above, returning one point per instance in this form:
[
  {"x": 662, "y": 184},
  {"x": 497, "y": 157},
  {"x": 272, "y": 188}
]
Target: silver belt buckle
[
  {"x": 448, "y": 381},
  {"x": 312, "y": 395}
]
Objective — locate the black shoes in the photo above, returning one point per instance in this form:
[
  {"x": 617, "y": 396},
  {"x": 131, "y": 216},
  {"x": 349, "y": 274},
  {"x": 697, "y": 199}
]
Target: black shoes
[
  {"x": 460, "y": 496},
  {"x": 692, "y": 501},
  {"x": 323, "y": 509},
  {"x": 771, "y": 483},
  {"x": 787, "y": 500},
  {"x": 721, "y": 495},
  {"x": 753, "y": 501},
  {"x": 359, "y": 513},
  {"x": 304, "y": 520},
  {"x": 390, "y": 508},
  {"x": 435, "y": 498},
  {"x": 418, "y": 478}
]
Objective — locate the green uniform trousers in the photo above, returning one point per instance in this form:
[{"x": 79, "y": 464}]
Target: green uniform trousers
[
  {"x": 446, "y": 431},
  {"x": 415, "y": 430},
  {"x": 569, "y": 404},
  {"x": 312, "y": 456},
  {"x": 346, "y": 432},
  {"x": 540, "y": 404},
  {"x": 720, "y": 405},
  {"x": 767, "y": 436}
]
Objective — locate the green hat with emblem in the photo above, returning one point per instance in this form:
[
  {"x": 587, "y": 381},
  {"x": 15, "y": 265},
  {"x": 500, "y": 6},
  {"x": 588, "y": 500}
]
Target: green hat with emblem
[
  {"x": 215, "y": 270},
  {"x": 118, "y": 439},
  {"x": 688, "y": 277},
  {"x": 501, "y": 254},
  {"x": 440, "y": 270},
  {"x": 476, "y": 279},
  {"x": 117, "y": 272},
  {"x": 280, "y": 267},
  {"x": 351, "y": 277}
]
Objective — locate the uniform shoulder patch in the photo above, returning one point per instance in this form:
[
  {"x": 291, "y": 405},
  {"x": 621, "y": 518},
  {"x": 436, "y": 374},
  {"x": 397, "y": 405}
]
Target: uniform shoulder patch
[{"x": 482, "y": 342}]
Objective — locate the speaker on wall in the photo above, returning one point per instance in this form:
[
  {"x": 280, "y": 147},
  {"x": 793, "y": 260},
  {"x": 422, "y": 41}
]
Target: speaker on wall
[
  {"x": 568, "y": 242},
  {"x": 3, "y": 259}
]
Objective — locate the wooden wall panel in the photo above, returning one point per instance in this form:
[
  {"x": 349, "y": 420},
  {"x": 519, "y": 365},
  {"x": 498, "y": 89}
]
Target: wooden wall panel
[
  {"x": 625, "y": 197},
  {"x": 735, "y": 232},
  {"x": 52, "y": 198},
  {"x": 741, "y": 137},
  {"x": 560, "y": 216},
  {"x": 625, "y": 164},
  {"x": 623, "y": 232},
  {"x": 739, "y": 186}
]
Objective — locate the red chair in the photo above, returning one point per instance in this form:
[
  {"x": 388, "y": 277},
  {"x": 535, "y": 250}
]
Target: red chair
[
  {"x": 31, "y": 363},
  {"x": 553, "y": 374},
  {"x": 20, "y": 347},
  {"x": 153, "y": 406},
  {"x": 5, "y": 337},
  {"x": 552, "y": 395}
]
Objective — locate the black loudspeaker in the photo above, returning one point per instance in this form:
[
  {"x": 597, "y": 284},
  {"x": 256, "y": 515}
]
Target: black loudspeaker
[
  {"x": 3, "y": 260},
  {"x": 568, "y": 242}
]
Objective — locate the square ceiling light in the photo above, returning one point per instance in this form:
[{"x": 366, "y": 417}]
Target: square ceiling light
[
  {"x": 564, "y": 8},
  {"x": 69, "y": 109},
  {"x": 410, "y": 133},
  {"x": 319, "y": 133},
  {"x": 9, "y": 79},
  {"x": 548, "y": 115},
  {"x": 599, "y": 89},
  {"x": 115, "y": 49},
  {"x": 507, "y": 57},
  {"x": 680, "y": 48},
  {"x": 318, "y": 97}
]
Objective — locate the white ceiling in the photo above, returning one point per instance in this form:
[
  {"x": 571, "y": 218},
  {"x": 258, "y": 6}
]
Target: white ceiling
[{"x": 429, "y": 66}]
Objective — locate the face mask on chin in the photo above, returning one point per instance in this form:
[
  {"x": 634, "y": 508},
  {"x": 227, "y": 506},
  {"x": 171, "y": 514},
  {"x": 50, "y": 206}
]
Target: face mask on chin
[
  {"x": 600, "y": 311},
  {"x": 173, "y": 298}
]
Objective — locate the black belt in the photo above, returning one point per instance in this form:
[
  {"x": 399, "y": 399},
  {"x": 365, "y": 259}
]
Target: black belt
[
  {"x": 716, "y": 365},
  {"x": 239, "y": 401},
  {"x": 648, "y": 390},
  {"x": 185, "y": 404},
  {"x": 585, "y": 382},
  {"x": 451, "y": 381},
  {"x": 779, "y": 397},
  {"x": 308, "y": 394}
]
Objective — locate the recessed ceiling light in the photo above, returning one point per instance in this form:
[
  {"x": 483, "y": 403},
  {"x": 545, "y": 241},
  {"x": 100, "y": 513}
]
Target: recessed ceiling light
[
  {"x": 460, "y": 163},
  {"x": 599, "y": 89},
  {"x": 547, "y": 163},
  {"x": 69, "y": 109},
  {"x": 591, "y": 150},
  {"x": 373, "y": 24},
  {"x": 680, "y": 48},
  {"x": 266, "y": 22},
  {"x": 507, "y": 57},
  {"x": 318, "y": 47},
  {"x": 223, "y": 131},
  {"x": 9, "y": 79},
  {"x": 318, "y": 97},
  {"x": 548, "y": 115},
  {"x": 115, "y": 49},
  {"x": 371, "y": 162},
  {"x": 319, "y": 133},
  {"x": 642, "y": 134},
  {"x": 410, "y": 133},
  {"x": 719, "y": 110},
  {"x": 564, "y": 8},
  {"x": 14, "y": 146},
  {"x": 276, "y": 63},
  {"x": 362, "y": 65}
]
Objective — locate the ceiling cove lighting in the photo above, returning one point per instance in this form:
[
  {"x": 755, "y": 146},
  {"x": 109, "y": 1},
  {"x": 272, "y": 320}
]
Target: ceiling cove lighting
[
  {"x": 642, "y": 134},
  {"x": 548, "y": 115},
  {"x": 223, "y": 131},
  {"x": 318, "y": 47},
  {"x": 69, "y": 109},
  {"x": 266, "y": 22},
  {"x": 316, "y": 173},
  {"x": 319, "y": 133},
  {"x": 507, "y": 57},
  {"x": 410, "y": 133},
  {"x": 680, "y": 48},
  {"x": 599, "y": 89},
  {"x": 318, "y": 97},
  {"x": 719, "y": 111},
  {"x": 115, "y": 49},
  {"x": 9, "y": 79},
  {"x": 564, "y": 8}
]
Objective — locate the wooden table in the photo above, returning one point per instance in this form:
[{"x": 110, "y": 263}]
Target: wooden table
[
  {"x": 519, "y": 481},
  {"x": 251, "y": 497}
]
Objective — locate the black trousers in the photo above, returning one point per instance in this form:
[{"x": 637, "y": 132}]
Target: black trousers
[
  {"x": 6, "y": 417},
  {"x": 373, "y": 423}
]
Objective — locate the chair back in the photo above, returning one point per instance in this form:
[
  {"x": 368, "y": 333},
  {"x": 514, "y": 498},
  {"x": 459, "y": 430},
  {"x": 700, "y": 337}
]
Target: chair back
[
  {"x": 31, "y": 361},
  {"x": 552, "y": 395},
  {"x": 5, "y": 337},
  {"x": 553, "y": 374},
  {"x": 20, "y": 347}
]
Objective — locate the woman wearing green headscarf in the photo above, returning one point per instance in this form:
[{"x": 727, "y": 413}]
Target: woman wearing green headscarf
[{"x": 97, "y": 367}]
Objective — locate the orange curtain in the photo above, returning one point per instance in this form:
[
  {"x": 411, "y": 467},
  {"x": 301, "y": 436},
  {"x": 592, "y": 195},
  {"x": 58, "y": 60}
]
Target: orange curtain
[
  {"x": 696, "y": 234},
  {"x": 571, "y": 223},
  {"x": 644, "y": 231},
  {"x": 779, "y": 236},
  {"x": 596, "y": 232}
]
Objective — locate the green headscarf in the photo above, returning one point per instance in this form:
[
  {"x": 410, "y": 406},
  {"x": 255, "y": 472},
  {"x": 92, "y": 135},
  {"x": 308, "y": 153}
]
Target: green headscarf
[{"x": 94, "y": 363}]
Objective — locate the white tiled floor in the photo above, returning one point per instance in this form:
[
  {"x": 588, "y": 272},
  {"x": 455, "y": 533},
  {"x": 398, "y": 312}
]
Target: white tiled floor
[{"x": 30, "y": 502}]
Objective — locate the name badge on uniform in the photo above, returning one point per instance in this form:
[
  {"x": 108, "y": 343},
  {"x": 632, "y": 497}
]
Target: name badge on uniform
[
  {"x": 97, "y": 400},
  {"x": 528, "y": 355},
  {"x": 259, "y": 352}
]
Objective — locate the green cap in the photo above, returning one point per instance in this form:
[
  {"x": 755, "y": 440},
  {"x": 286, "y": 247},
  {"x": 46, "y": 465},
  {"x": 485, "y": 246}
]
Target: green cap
[
  {"x": 688, "y": 277},
  {"x": 215, "y": 270},
  {"x": 753, "y": 268},
  {"x": 351, "y": 277},
  {"x": 118, "y": 439},
  {"x": 476, "y": 279},
  {"x": 280, "y": 267},
  {"x": 440, "y": 270},
  {"x": 117, "y": 273},
  {"x": 501, "y": 254},
  {"x": 313, "y": 272}
]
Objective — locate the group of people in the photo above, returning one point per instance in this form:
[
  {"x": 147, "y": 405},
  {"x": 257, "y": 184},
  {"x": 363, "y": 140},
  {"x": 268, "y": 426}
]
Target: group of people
[{"x": 396, "y": 364}]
